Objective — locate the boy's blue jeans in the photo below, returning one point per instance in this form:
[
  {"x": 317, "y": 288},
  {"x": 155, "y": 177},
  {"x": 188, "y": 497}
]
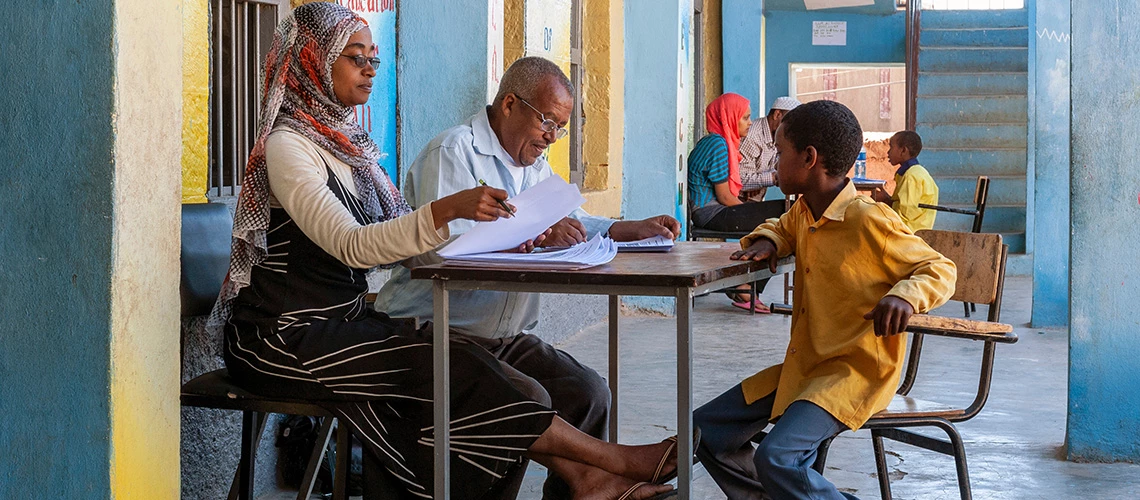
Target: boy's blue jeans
[{"x": 780, "y": 467}]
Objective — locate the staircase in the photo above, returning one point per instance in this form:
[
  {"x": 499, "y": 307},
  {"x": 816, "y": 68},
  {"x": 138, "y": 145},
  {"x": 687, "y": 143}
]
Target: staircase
[{"x": 972, "y": 114}]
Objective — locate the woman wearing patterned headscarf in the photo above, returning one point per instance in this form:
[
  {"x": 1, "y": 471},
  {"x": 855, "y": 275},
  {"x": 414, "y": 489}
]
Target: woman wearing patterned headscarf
[
  {"x": 714, "y": 181},
  {"x": 314, "y": 214}
]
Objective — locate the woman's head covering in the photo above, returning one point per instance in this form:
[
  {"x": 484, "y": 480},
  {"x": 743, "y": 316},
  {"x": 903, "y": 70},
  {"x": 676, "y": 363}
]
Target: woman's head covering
[
  {"x": 297, "y": 93},
  {"x": 721, "y": 118}
]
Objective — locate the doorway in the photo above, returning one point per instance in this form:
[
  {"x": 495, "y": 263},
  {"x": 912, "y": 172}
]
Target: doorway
[{"x": 875, "y": 93}]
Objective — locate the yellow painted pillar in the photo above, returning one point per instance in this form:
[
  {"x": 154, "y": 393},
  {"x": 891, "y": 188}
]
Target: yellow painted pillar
[
  {"x": 514, "y": 31},
  {"x": 604, "y": 105},
  {"x": 195, "y": 99},
  {"x": 712, "y": 52}
]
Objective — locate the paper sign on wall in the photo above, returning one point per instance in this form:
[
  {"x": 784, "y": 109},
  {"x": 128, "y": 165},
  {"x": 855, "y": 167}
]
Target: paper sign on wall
[
  {"x": 829, "y": 33},
  {"x": 835, "y": 4}
]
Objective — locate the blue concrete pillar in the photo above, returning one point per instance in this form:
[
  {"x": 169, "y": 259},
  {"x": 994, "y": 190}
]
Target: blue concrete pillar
[
  {"x": 1050, "y": 147},
  {"x": 450, "y": 58},
  {"x": 743, "y": 62},
  {"x": 658, "y": 116},
  {"x": 1104, "y": 405},
  {"x": 90, "y": 189},
  {"x": 658, "y": 106}
]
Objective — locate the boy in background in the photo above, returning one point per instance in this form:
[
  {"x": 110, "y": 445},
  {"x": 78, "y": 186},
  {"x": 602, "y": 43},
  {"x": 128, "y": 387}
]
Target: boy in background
[
  {"x": 913, "y": 184},
  {"x": 860, "y": 275}
]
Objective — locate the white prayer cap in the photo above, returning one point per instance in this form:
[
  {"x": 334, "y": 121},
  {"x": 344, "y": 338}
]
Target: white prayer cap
[{"x": 785, "y": 103}]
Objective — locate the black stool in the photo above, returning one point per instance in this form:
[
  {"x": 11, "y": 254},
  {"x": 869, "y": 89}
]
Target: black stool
[{"x": 216, "y": 390}]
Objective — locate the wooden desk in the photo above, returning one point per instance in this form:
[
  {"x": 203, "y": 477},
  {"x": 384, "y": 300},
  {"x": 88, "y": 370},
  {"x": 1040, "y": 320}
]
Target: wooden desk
[{"x": 690, "y": 269}]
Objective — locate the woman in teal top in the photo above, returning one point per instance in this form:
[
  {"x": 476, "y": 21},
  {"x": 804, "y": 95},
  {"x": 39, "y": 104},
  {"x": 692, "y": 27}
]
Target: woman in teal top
[
  {"x": 714, "y": 179},
  {"x": 714, "y": 172}
]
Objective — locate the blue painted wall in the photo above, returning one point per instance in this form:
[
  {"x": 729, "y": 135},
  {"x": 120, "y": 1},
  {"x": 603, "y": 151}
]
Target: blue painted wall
[
  {"x": 57, "y": 74},
  {"x": 378, "y": 115},
  {"x": 742, "y": 58},
  {"x": 787, "y": 38},
  {"x": 442, "y": 69},
  {"x": 1050, "y": 160},
  {"x": 1104, "y": 405},
  {"x": 651, "y": 156},
  {"x": 649, "y": 160}
]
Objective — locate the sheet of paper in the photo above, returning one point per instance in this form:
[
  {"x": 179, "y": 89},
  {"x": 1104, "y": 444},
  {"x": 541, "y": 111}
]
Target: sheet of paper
[
  {"x": 536, "y": 209},
  {"x": 650, "y": 244},
  {"x": 829, "y": 32},
  {"x": 835, "y": 4}
]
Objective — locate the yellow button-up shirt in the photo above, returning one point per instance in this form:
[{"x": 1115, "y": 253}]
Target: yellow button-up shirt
[
  {"x": 848, "y": 260},
  {"x": 911, "y": 188}
]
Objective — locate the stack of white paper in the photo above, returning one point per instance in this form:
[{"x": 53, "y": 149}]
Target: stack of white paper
[
  {"x": 536, "y": 209},
  {"x": 650, "y": 244},
  {"x": 599, "y": 250}
]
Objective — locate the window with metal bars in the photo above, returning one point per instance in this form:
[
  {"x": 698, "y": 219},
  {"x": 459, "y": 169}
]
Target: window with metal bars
[{"x": 241, "y": 32}]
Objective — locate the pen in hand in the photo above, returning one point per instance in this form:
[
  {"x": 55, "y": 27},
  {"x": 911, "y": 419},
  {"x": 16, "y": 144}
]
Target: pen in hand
[{"x": 501, "y": 202}]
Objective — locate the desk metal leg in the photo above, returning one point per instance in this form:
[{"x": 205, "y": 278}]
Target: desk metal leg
[
  {"x": 442, "y": 397},
  {"x": 684, "y": 393},
  {"x": 614, "y": 365}
]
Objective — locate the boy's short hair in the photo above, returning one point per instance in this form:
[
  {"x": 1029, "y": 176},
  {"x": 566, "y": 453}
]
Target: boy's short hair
[
  {"x": 829, "y": 127},
  {"x": 910, "y": 140}
]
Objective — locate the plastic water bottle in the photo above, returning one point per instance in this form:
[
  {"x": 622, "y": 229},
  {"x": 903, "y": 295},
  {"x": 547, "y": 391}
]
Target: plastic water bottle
[{"x": 861, "y": 164}]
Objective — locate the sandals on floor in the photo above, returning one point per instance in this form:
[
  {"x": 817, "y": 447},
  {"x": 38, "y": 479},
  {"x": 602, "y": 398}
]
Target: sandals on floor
[
  {"x": 658, "y": 477},
  {"x": 743, "y": 295},
  {"x": 660, "y": 496},
  {"x": 759, "y": 309}
]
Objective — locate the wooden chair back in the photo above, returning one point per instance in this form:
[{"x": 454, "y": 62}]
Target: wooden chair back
[{"x": 978, "y": 257}]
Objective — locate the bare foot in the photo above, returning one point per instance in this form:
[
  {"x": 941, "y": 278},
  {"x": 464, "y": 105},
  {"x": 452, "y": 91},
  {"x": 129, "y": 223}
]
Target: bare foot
[
  {"x": 596, "y": 484},
  {"x": 643, "y": 460}
]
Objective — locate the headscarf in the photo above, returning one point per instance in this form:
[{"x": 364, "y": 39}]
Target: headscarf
[
  {"x": 297, "y": 93},
  {"x": 721, "y": 117}
]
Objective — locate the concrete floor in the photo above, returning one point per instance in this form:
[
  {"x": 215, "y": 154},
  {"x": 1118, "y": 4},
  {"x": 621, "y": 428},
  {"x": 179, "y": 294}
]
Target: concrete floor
[{"x": 1015, "y": 446}]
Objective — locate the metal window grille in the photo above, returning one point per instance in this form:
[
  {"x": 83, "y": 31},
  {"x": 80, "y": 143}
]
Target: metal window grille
[{"x": 241, "y": 32}]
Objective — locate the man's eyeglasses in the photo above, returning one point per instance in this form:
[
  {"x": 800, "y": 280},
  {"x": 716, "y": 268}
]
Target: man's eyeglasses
[
  {"x": 548, "y": 125},
  {"x": 364, "y": 61}
]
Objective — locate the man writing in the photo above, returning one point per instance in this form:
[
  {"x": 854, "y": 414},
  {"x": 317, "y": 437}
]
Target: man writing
[{"x": 503, "y": 145}]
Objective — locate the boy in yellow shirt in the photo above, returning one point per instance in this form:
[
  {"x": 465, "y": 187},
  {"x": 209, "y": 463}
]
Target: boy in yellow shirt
[
  {"x": 913, "y": 184},
  {"x": 860, "y": 274}
]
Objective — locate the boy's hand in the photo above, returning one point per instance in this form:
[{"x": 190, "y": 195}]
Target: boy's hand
[
  {"x": 890, "y": 316},
  {"x": 880, "y": 195},
  {"x": 761, "y": 249}
]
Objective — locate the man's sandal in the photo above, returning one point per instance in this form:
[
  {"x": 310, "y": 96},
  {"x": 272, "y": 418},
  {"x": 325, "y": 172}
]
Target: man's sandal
[
  {"x": 660, "y": 496},
  {"x": 658, "y": 477}
]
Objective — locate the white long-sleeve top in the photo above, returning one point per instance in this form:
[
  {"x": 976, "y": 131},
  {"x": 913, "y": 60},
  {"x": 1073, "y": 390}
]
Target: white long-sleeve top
[{"x": 298, "y": 182}]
